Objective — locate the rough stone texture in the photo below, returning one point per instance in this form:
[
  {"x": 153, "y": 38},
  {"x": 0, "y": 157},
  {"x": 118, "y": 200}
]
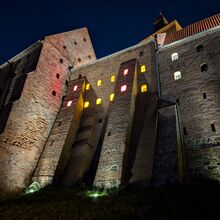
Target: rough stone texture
[
  {"x": 144, "y": 160},
  {"x": 196, "y": 113},
  {"x": 33, "y": 115},
  {"x": 116, "y": 142},
  {"x": 58, "y": 146},
  {"x": 166, "y": 154}
]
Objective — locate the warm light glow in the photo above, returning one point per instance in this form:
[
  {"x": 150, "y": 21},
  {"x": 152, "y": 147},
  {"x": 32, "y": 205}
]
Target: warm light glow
[
  {"x": 143, "y": 68},
  {"x": 125, "y": 72},
  {"x": 99, "y": 82},
  {"x": 75, "y": 88},
  {"x": 98, "y": 101},
  {"x": 112, "y": 78},
  {"x": 177, "y": 75},
  {"x": 123, "y": 88},
  {"x": 111, "y": 97},
  {"x": 87, "y": 86},
  {"x": 69, "y": 103},
  {"x": 144, "y": 88},
  {"x": 86, "y": 104},
  {"x": 96, "y": 194},
  {"x": 174, "y": 56}
]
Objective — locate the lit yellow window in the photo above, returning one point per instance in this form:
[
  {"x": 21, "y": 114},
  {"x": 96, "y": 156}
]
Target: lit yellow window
[
  {"x": 99, "y": 82},
  {"x": 111, "y": 97},
  {"x": 112, "y": 78},
  {"x": 86, "y": 104},
  {"x": 143, "y": 68},
  {"x": 98, "y": 101},
  {"x": 144, "y": 88},
  {"x": 87, "y": 86}
]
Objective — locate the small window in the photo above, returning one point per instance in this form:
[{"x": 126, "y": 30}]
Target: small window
[
  {"x": 59, "y": 123},
  {"x": 141, "y": 53},
  {"x": 112, "y": 78},
  {"x": 89, "y": 57},
  {"x": 84, "y": 39},
  {"x": 177, "y": 75},
  {"x": 99, "y": 83},
  {"x": 75, "y": 42},
  {"x": 79, "y": 59},
  {"x": 86, "y": 104},
  {"x": 69, "y": 103},
  {"x": 100, "y": 120},
  {"x": 185, "y": 131},
  {"x": 125, "y": 72},
  {"x": 204, "y": 95},
  {"x": 54, "y": 93},
  {"x": 87, "y": 86},
  {"x": 144, "y": 88},
  {"x": 98, "y": 101},
  {"x": 213, "y": 127},
  {"x": 111, "y": 97},
  {"x": 70, "y": 67},
  {"x": 61, "y": 60},
  {"x": 58, "y": 75},
  {"x": 123, "y": 88},
  {"x": 204, "y": 67},
  {"x": 64, "y": 47},
  {"x": 199, "y": 48},
  {"x": 75, "y": 88},
  {"x": 109, "y": 133},
  {"x": 143, "y": 69},
  {"x": 80, "y": 76},
  {"x": 174, "y": 56},
  {"x": 178, "y": 101}
]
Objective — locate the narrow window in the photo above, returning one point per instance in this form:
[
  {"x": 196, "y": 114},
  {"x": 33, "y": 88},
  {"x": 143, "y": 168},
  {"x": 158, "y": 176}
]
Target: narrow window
[
  {"x": 84, "y": 39},
  {"x": 89, "y": 57},
  {"x": 112, "y": 78},
  {"x": 98, "y": 101},
  {"x": 123, "y": 88},
  {"x": 204, "y": 67},
  {"x": 125, "y": 72},
  {"x": 144, "y": 88},
  {"x": 109, "y": 133},
  {"x": 111, "y": 97},
  {"x": 143, "y": 69},
  {"x": 199, "y": 48},
  {"x": 80, "y": 76},
  {"x": 67, "y": 83},
  {"x": 75, "y": 42},
  {"x": 75, "y": 88},
  {"x": 174, "y": 56},
  {"x": 178, "y": 101},
  {"x": 58, "y": 75},
  {"x": 99, "y": 83},
  {"x": 184, "y": 131},
  {"x": 177, "y": 75},
  {"x": 87, "y": 86},
  {"x": 141, "y": 53},
  {"x": 69, "y": 103},
  {"x": 61, "y": 60},
  {"x": 204, "y": 95},
  {"x": 213, "y": 127},
  {"x": 86, "y": 104},
  {"x": 54, "y": 93},
  {"x": 100, "y": 120},
  {"x": 64, "y": 47},
  {"x": 79, "y": 59}
]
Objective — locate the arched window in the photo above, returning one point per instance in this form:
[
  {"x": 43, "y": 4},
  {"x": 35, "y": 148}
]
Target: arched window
[
  {"x": 143, "y": 69},
  {"x": 174, "y": 56},
  {"x": 144, "y": 88},
  {"x": 204, "y": 67},
  {"x": 177, "y": 75}
]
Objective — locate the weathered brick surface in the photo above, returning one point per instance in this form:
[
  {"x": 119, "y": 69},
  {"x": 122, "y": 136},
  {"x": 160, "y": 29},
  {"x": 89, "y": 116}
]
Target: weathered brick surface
[
  {"x": 32, "y": 116},
  {"x": 58, "y": 146},
  {"x": 196, "y": 113}
]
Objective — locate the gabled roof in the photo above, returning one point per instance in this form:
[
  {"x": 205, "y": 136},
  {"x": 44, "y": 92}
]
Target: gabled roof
[{"x": 192, "y": 29}]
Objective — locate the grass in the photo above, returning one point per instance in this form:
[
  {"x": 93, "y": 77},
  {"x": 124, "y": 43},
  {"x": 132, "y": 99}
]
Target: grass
[{"x": 197, "y": 200}]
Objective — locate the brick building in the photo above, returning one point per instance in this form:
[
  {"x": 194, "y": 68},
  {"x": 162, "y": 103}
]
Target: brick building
[{"x": 147, "y": 115}]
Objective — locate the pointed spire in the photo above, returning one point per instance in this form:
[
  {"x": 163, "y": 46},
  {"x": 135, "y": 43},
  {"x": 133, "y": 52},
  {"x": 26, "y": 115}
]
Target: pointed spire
[{"x": 160, "y": 22}]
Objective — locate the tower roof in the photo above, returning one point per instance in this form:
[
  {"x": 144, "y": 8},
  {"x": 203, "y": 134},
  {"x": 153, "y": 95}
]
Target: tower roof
[{"x": 160, "y": 22}]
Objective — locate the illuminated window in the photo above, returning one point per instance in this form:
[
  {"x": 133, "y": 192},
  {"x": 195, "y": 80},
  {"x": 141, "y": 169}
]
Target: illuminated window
[
  {"x": 125, "y": 72},
  {"x": 87, "y": 86},
  {"x": 177, "y": 75},
  {"x": 144, "y": 88},
  {"x": 86, "y": 104},
  {"x": 111, "y": 97},
  {"x": 123, "y": 88},
  {"x": 112, "y": 78},
  {"x": 69, "y": 103},
  {"x": 75, "y": 88},
  {"x": 143, "y": 68},
  {"x": 174, "y": 56},
  {"x": 99, "y": 82},
  {"x": 98, "y": 101}
]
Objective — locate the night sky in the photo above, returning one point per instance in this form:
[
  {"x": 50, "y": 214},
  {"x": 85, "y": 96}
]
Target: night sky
[{"x": 113, "y": 25}]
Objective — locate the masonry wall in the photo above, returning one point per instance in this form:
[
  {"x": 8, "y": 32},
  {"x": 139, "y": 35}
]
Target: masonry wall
[
  {"x": 198, "y": 94},
  {"x": 32, "y": 116}
]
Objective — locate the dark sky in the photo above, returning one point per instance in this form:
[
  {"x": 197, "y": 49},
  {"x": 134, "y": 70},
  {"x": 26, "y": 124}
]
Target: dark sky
[{"x": 113, "y": 25}]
